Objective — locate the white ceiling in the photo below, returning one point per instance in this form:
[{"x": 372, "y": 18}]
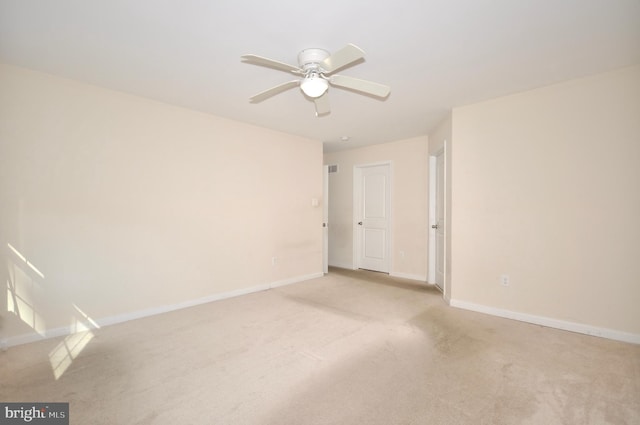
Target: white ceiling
[{"x": 435, "y": 54}]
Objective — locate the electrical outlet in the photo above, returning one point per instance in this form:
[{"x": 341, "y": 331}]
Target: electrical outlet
[
  {"x": 274, "y": 261},
  {"x": 504, "y": 280}
]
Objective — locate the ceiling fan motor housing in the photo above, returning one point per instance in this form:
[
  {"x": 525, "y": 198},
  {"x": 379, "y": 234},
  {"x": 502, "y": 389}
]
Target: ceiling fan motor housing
[{"x": 310, "y": 59}]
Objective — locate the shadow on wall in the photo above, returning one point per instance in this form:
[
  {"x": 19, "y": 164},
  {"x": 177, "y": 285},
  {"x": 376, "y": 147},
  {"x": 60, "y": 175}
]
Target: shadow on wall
[{"x": 28, "y": 302}]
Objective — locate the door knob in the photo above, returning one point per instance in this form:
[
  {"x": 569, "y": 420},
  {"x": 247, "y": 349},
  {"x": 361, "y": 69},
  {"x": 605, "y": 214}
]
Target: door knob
[
  {"x": 359, "y": 223},
  {"x": 434, "y": 226}
]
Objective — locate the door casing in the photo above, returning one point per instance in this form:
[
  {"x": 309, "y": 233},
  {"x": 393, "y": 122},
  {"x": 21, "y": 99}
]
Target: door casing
[
  {"x": 325, "y": 219},
  {"x": 438, "y": 184}
]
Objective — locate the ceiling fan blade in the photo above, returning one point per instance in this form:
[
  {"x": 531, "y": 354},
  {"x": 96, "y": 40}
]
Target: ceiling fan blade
[
  {"x": 273, "y": 91},
  {"x": 322, "y": 104},
  {"x": 343, "y": 57},
  {"x": 259, "y": 60},
  {"x": 364, "y": 86}
]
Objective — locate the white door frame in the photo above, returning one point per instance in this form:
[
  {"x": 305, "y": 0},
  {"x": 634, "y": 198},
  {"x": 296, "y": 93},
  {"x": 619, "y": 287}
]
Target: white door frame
[
  {"x": 325, "y": 219},
  {"x": 357, "y": 234},
  {"x": 433, "y": 160}
]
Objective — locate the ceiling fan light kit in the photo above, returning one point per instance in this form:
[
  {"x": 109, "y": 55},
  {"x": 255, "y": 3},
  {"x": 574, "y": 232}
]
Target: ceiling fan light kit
[
  {"x": 316, "y": 67},
  {"x": 314, "y": 86}
]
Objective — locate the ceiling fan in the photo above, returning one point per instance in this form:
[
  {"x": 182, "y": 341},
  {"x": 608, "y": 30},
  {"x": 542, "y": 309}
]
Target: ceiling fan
[{"x": 316, "y": 67}]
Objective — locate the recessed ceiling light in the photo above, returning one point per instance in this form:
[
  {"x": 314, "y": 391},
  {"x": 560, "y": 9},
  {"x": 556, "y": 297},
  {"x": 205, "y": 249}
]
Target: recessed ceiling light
[{"x": 345, "y": 138}]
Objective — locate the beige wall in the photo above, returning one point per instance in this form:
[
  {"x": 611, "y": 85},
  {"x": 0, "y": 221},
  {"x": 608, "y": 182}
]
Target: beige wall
[
  {"x": 125, "y": 205},
  {"x": 439, "y": 135},
  {"x": 409, "y": 210},
  {"x": 546, "y": 189}
]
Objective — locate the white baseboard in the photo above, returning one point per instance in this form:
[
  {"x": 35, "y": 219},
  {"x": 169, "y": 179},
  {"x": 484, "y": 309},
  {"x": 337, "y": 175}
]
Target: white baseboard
[
  {"x": 418, "y": 277},
  {"x": 549, "y": 322},
  {"x": 35, "y": 336},
  {"x": 120, "y": 318}
]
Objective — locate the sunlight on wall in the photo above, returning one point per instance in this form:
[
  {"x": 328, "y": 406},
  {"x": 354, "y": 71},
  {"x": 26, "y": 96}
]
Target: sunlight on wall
[
  {"x": 20, "y": 304},
  {"x": 21, "y": 292},
  {"x": 63, "y": 355},
  {"x": 92, "y": 322},
  {"x": 31, "y": 266}
]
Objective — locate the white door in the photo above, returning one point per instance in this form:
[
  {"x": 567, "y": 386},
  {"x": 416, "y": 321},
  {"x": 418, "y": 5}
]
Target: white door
[
  {"x": 325, "y": 219},
  {"x": 372, "y": 217},
  {"x": 439, "y": 220}
]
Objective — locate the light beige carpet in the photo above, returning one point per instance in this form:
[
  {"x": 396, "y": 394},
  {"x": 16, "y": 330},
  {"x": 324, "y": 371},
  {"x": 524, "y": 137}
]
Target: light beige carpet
[{"x": 349, "y": 348}]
